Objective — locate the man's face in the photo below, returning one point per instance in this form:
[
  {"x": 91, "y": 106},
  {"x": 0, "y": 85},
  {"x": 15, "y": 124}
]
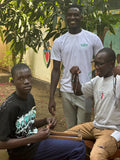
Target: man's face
[
  {"x": 73, "y": 18},
  {"x": 103, "y": 65},
  {"x": 22, "y": 80}
]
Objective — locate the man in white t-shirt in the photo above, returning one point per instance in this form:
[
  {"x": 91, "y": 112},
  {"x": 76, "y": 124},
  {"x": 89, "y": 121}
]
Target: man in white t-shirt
[
  {"x": 105, "y": 89},
  {"x": 76, "y": 47}
]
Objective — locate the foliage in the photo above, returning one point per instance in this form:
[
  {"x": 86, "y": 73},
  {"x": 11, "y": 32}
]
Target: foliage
[
  {"x": 96, "y": 16},
  {"x": 24, "y": 20},
  {"x": 19, "y": 29}
]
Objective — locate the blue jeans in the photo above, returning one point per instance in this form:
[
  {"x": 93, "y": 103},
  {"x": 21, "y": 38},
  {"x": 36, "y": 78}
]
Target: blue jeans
[{"x": 59, "y": 149}]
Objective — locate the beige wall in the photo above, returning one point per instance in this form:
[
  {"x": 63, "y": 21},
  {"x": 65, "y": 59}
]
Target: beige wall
[
  {"x": 36, "y": 62},
  {"x": 37, "y": 65},
  {"x": 4, "y": 59},
  {"x": 3, "y": 49}
]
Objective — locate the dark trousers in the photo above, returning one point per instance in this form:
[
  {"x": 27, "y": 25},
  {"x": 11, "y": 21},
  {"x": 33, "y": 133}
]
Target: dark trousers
[{"x": 59, "y": 149}]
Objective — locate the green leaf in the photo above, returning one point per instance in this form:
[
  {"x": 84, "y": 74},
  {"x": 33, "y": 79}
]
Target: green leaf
[
  {"x": 49, "y": 35},
  {"x": 54, "y": 21},
  {"x": 8, "y": 38}
]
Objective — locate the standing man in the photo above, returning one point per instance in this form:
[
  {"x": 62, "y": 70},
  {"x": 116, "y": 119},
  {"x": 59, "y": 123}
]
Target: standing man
[{"x": 75, "y": 48}]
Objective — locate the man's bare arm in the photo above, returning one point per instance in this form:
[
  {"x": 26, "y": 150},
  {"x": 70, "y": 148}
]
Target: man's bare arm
[
  {"x": 55, "y": 75},
  {"x": 18, "y": 142}
]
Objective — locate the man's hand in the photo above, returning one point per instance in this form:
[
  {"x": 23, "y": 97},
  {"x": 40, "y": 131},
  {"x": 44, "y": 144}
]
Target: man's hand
[
  {"x": 42, "y": 134},
  {"x": 75, "y": 70},
  {"x": 75, "y": 80},
  {"x": 52, "y": 107},
  {"x": 51, "y": 123}
]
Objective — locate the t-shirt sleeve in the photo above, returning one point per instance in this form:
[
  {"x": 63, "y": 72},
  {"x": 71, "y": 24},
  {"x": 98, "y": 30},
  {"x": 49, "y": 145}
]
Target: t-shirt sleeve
[
  {"x": 56, "y": 51},
  {"x": 88, "y": 88},
  {"x": 98, "y": 45},
  {"x": 8, "y": 116}
]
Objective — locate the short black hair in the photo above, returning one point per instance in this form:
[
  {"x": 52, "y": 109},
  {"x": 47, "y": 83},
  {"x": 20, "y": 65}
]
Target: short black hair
[
  {"x": 110, "y": 53},
  {"x": 74, "y": 6},
  {"x": 17, "y": 67}
]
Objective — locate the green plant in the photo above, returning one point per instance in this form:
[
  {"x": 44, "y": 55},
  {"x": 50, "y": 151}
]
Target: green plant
[{"x": 19, "y": 29}]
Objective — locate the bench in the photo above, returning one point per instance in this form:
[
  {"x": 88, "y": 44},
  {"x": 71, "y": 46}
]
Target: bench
[
  {"x": 4, "y": 155},
  {"x": 89, "y": 144}
]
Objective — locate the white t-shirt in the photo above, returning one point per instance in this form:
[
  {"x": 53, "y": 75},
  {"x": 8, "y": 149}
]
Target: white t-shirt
[
  {"x": 106, "y": 101},
  {"x": 76, "y": 50}
]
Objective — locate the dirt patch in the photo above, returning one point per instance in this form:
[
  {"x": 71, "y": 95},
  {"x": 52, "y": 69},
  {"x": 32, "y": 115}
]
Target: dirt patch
[{"x": 41, "y": 95}]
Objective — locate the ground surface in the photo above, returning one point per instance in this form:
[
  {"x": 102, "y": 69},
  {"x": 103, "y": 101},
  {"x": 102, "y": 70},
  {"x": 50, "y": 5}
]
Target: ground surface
[{"x": 41, "y": 95}]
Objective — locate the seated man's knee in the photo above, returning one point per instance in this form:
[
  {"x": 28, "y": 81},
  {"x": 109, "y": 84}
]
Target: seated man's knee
[
  {"x": 98, "y": 154},
  {"x": 103, "y": 148}
]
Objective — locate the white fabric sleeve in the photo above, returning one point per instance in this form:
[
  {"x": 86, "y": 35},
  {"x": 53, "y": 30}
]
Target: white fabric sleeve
[
  {"x": 98, "y": 45},
  {"x": 88, "y": 87},
  {"x": 56, "y": 51},
  {"x": 116, "y": 135}
]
